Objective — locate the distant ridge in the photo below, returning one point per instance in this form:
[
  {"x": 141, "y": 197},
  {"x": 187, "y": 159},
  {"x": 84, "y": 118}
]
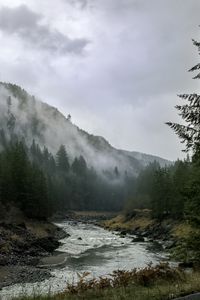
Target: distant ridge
[{"x": 40, "y": 121}]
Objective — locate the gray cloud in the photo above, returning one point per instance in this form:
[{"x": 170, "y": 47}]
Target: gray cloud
[
  {"x": 27, "y": 25},
  {"x": 125, "y": 87},
  {"x": 81, "y": 3}
]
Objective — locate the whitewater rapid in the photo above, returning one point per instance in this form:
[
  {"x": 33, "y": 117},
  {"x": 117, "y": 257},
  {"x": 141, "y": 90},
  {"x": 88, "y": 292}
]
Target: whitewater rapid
[{"x": 91, "y": 249}]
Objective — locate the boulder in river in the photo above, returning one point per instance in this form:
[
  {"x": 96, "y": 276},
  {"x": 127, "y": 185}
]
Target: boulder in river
[
  {"x": 138, "y": 239},
  {"x": 185, "y": 264}
]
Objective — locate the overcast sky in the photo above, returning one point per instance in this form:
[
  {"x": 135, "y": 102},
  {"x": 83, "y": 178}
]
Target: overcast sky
[{"x": 115, "y": 65}]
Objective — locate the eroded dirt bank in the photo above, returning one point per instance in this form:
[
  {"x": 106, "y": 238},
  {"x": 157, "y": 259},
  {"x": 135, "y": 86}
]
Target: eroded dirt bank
[{"x": 22, "y": 245}]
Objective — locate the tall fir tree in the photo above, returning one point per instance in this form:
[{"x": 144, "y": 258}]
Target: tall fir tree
[
  {"x": 189, "y": 133},
  {"x": 62, "y": 161}
]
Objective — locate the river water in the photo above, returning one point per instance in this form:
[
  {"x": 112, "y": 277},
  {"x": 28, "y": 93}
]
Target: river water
[{"x": 88, "y": 249}]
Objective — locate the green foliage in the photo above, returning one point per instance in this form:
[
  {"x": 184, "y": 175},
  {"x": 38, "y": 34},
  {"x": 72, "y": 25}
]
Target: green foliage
[
  {"x": 193, "y": 247},
  {"x": 143, "y": 187},
  {"x": 79, "y": 166},
  {"x": 161, "y": 193},
  {"x": 22, "y": 182},
  {"x": 62, "y": 162},
  {"x": 40, "y": 184},
  {"x": 163, "y": 190},
  {"x": 192, "y": 195},
  {"x": 190, "y": 134}
]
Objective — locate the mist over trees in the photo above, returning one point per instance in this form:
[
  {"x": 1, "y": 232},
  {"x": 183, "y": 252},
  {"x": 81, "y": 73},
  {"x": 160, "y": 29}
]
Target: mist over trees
[
  {"x": 28, "y": 118},
  {"x": 82, "y": 173},
  {"x": 40, "y": 184}
]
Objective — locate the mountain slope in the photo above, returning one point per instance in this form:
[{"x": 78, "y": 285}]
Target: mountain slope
[{"x": 22, "y": 114}]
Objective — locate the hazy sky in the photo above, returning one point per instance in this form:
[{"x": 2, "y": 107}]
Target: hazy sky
[{"x": 114, "y": 65}]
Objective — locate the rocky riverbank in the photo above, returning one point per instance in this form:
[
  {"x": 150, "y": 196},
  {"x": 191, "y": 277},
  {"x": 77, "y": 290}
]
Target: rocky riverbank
[
  {"x": 22, "y": 246},
  {"x": 26, "y": 245},
  {"x": 167, "y": 235},
  {"x": 93, "y": 217}
]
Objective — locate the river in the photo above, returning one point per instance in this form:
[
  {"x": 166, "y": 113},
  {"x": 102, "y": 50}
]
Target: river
[{"x": 88, "y": 249}]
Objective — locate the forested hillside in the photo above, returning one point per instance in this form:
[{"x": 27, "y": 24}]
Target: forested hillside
[
  {"x": 48, "y": 164},
  {"x": 29, "y": 118},
  {"x": 39, "y": 183}
]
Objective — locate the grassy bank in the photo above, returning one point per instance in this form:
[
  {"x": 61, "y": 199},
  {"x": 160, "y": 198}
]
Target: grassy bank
[
  {"x": 179, "y": 237},
  {"x": 160, "y": 282},
  {"x": 140, "y": 219}
]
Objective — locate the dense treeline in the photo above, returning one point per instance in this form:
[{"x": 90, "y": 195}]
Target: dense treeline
[
  {"x": 169, "y": 192},
  {"x": 40, "y": 184},
  {"x": 166, "y": 191},
  {"x": 22, "y": 183},
  {"x": 173, "y": 193}
]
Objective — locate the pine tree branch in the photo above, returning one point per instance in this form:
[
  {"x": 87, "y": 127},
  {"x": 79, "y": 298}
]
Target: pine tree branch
[{"x": 197, "y": 67}]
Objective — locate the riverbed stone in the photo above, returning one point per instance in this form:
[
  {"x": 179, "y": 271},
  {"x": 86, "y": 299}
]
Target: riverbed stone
[{"x": 138, "y": 239}]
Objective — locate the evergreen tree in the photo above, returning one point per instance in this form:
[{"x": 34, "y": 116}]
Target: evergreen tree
[
  {"x": 116, "y": 172},
  {"x": 180, "y": 176},
  {"x": 22, "y": 183},
  {"x": 79, "y": 166},
  {"x": 190, "y": 134},
  {"x": 62, "y": 161},
  {"x": 33, "y": 149},
  {"x": 10, "y": 117},
  {"x": 162, "y": 193},
  {"x": 190, "y": 113},
  {"x": 3, "y": 139}
]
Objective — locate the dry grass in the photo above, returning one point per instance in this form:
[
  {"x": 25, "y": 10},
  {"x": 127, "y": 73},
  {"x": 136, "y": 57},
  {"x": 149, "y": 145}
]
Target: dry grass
[
  {"x": 160, "y": 282},
  {"x": 120, "y": 222},
  {"x": 121, "y": 278},
  {"x": 93, "y": 213},
  {"x": 115, "y": 223},
  {"x": 40, "y": 229},
  {"x": 15, "y": 237},
  {"x": 182, "y": 230},
  {"x": 141, "y": 222}
]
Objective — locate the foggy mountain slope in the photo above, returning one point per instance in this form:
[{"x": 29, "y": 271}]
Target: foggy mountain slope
[
  {"x": 146, "y": 159},
  {"x": 33, "y": 119}
]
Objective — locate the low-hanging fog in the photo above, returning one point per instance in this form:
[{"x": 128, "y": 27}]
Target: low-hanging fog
[
  {"x": 114, "y": 65},
  {"x": 27, "y": 117}
]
